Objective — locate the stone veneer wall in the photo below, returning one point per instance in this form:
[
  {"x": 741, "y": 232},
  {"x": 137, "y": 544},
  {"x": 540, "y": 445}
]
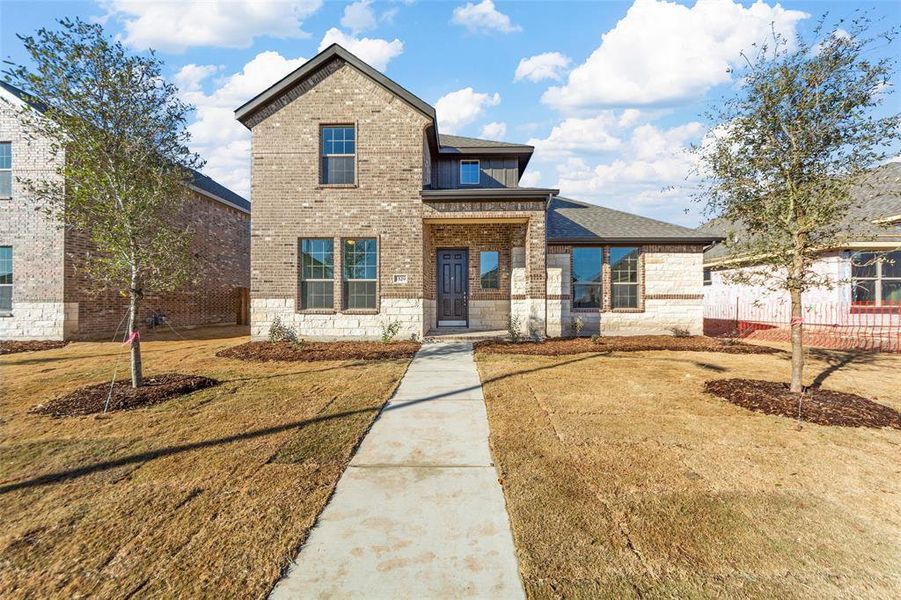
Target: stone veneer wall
[
  {"x": 222, "y": 248},
  {"x": 289, "y": 203},
  {"x": 38, "y": 309},
  {"x": 671, "y": 282}
]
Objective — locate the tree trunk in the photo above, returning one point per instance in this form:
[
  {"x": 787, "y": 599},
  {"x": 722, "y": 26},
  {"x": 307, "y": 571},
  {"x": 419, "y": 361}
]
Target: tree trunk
[
  {"x": 137, "y": 374},
  {"x": 797, "y": 328}
]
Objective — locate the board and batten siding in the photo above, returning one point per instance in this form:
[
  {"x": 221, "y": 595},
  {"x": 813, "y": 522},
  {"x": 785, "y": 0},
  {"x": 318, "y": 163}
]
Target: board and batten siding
[{"x": 497, "y": 172}]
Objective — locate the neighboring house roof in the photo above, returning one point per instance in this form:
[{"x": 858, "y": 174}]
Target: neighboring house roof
[
  {"x": 201, "y": 183},
  {"x": 878, "y": 206},
  {"x": 571, "y": 221}
]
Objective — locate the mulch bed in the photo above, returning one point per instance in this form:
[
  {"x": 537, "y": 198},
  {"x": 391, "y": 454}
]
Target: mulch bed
[
  {"x": 564, "y": 346},
  {"x": 29, "y": 346},
  {"x": 823, "y": 407},
  {"x": 314, "y": 351},
  {"x": 91, "y": 399}
]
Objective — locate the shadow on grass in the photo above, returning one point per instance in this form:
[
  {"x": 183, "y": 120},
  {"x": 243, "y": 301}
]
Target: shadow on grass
[{"x": 59, "y": 476}]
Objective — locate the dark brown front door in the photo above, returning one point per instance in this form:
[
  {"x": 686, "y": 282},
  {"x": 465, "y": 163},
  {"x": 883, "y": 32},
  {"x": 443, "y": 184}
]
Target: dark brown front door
[{"x": 453, "y": 288}]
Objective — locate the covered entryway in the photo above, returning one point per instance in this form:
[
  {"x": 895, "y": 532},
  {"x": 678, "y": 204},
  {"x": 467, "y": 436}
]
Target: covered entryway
[{"x": 452, "y": 287}]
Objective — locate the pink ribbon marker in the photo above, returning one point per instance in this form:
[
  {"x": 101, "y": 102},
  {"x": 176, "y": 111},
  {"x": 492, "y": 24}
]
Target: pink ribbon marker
[{"x": 135, "y": 335}]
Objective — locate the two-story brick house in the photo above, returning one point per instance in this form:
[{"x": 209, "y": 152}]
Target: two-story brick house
[
  {"x": 44, "y": 292},
  {"x": 364, "y": 214}
]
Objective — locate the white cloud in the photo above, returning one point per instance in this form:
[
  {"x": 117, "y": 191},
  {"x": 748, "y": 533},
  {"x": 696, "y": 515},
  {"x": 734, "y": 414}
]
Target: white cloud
[
  {"x": 462, "y": 107},
  {"x": 483, "y": 17},
  {"x": 576, "y": 136},
  {"x": 215, "y": 133},
  {"x": 496, "y": 130},
  {"x": 549, "y": 65},
  {"x": 530, "y": 179},
  {"x": 177, "y": 26},
  {"x": 664, "y": 52},
  {"x": 649, "y": 174},
  {"x": 359, "y": 16},
  {"x": 374, "y": 51}
]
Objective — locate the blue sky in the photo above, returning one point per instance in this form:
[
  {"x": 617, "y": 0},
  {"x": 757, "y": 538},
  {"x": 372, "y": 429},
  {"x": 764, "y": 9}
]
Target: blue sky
[{"x": 610, "y": 93}]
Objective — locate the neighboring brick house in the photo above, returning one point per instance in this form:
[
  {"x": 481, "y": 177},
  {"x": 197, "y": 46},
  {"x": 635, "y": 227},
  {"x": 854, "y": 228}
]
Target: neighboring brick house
[
  {"x": 364, "y": 214},
  {"x": 43, "y": 292}
]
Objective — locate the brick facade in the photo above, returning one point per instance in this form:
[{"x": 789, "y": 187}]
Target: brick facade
[{"x": 52, "y": 297}]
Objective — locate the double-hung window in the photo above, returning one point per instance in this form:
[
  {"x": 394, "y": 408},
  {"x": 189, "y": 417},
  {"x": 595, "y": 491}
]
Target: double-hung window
[
  {"x": 6, "y": 170},
  {"x": 317, "y": 274},
  {"x": 587, "y": 276},
  {"x": 6, "y": 278},
  {"x": 624, "y": 277},
  {"x": 470, "y": 171},
  {"x": 876, "y": 278},
  {"x": 488, "y": 270},
  {"x": 339, "y": 155},
  {"x": 360, "y": 259}
]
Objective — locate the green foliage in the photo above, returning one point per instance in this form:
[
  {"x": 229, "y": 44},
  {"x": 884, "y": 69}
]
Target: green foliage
[
  {"x": 514, "y": 329},
  {"x": 120, "y": 143},
  {"x": 595, "y": 338},
  {"x": 576, "y": 324},
  {"x": 117, "y": 134},
  {"x": 679, "y": 332},
  {"x": 389, "y": 331},
  {"x": 788, "y": 147},
  {"x": 280, "y": 332}
]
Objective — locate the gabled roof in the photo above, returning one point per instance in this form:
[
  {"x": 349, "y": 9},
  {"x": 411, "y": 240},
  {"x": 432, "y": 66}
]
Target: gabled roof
[
  {"x": 878, "y": 203},
  {"x": 263, "y": 99},
  {"x": 201, "y": 183},
  {"x": 574, "y": 222},
  {"x": 468, "y": 146}
]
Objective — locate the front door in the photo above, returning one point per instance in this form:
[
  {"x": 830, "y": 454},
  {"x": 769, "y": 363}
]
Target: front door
[{"x": 453, "y": 287}]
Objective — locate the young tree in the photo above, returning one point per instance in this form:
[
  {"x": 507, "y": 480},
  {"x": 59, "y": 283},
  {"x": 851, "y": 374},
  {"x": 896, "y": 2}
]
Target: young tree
[
  {"x": 118, "y": 129},
  {"x": 787, "y": 148}
]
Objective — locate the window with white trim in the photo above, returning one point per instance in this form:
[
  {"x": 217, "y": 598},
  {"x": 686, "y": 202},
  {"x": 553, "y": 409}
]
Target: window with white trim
[
  {"x": 624, "y": 277},
  {"x": 339, "y": 155},
  {"x": 6, "y": 278},
  {"x": 470, "y": 172},
  {"x": 6, "y": 170},
  {"x": 317, "y": 274},
  {"x": 360, "y": 259},
  {"x": 876, "y": 278}
]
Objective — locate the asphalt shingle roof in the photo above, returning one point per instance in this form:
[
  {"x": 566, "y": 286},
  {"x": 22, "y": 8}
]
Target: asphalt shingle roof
[
  {"x": 459, "y": 141},
  {"x": 574, "y": 221},
  {"x": 878, "y": 197}
]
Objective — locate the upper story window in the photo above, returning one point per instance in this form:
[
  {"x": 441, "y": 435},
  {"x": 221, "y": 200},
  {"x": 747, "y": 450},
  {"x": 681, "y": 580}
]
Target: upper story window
[
  {"x": 6, "y": 278},
  {"x": 624, "y": 277},
  {"x": 488, "y": 270},
  {"x": 6, "y": 170},
  {"x": 708, "y": 277},
  {"x": 317, "y": 273},
  {"x": 360, "y": 259},
  {"x": 587, "y": 275},
  {"x": 339, "y": 155},
  {"x": 876, "y": 278},
  {"x": 470, "y": 171}
]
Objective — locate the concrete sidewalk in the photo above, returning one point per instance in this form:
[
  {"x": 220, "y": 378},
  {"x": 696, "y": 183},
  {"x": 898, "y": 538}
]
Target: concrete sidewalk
[{"x": 419, "y": 512}]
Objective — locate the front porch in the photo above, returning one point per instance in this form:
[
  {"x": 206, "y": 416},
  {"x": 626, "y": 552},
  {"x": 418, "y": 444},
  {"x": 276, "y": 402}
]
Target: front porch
[{"x": 476, "y": 277}]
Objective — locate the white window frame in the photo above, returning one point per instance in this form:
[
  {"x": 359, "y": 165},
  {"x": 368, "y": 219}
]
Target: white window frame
[
  {"x": 636, "y": 284},
  {"x": 346, "y": 280},
  {"x": 478, "y": 165},
  {"x": 9, "y": 170},
  {"x": 8, "y": 311},
  {"x": 323, "y": 154},
  {"x": 877, "y": 280},
  {"x": 301, "y": 300}
]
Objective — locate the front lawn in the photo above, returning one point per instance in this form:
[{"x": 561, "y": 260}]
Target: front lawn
[
  {"x": 205, "y": 495},
  {"x": 623, "y": 478}
]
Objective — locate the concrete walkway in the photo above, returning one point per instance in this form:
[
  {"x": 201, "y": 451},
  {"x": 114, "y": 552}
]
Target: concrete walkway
[{"x": 419, "y": 512}]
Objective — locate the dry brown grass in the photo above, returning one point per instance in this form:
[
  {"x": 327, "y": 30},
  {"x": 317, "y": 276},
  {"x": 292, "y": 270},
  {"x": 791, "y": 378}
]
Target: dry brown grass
[
  {"x": 208, "y": 495},
  {"x": 624, "y": 479}
]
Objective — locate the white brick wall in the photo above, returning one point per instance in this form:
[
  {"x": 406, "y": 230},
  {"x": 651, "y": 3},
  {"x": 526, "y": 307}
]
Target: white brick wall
[
  {"x": 409, "y": 312},
  {"x": 34, "y": 321}
]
